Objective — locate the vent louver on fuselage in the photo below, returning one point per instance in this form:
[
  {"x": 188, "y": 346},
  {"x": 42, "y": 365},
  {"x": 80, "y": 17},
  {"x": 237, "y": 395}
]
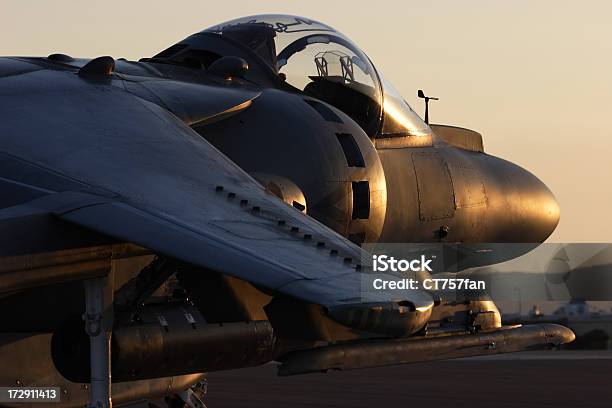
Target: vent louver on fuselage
[
  {"x": 325, "y": 112},
  {"x": 353, "y": 155},
  {"x": 361, "y": 200}
]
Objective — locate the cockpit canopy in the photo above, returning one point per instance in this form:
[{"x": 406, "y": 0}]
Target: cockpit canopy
[{"x": 320, "y": 62}]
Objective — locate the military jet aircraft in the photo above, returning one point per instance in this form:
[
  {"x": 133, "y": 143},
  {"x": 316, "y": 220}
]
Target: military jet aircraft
[{"x": 202, "y": 210}]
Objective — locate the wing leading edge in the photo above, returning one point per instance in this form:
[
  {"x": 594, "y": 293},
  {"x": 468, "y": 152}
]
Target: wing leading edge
[{"x": 143, "y": 176}]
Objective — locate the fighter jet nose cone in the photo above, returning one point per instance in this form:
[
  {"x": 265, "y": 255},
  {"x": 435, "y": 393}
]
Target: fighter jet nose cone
[
  {"x": 557, "y": 334},
  {"x": 541, "y": 208},
  {"x": 528, "y": 209}
]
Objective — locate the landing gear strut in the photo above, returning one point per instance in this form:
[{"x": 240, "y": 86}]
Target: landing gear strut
[{"x": 98, "y": 319}]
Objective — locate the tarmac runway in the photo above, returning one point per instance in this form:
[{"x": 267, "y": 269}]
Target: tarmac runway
[{"x": 534, "y": 379}]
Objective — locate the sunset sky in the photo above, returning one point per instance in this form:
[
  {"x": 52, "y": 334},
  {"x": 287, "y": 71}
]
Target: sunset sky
[{"x": 534, "y": 77}]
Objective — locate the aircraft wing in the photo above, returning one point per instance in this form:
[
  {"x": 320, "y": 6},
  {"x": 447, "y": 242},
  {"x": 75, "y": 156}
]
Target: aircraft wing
[{"x": 98, "y": 156}]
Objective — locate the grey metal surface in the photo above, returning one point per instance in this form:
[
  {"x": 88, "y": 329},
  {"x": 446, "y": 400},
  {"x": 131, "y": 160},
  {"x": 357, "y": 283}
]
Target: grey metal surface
[
  {"x": 160, "y": 182},
  {"x": 389, "y": 352}
]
